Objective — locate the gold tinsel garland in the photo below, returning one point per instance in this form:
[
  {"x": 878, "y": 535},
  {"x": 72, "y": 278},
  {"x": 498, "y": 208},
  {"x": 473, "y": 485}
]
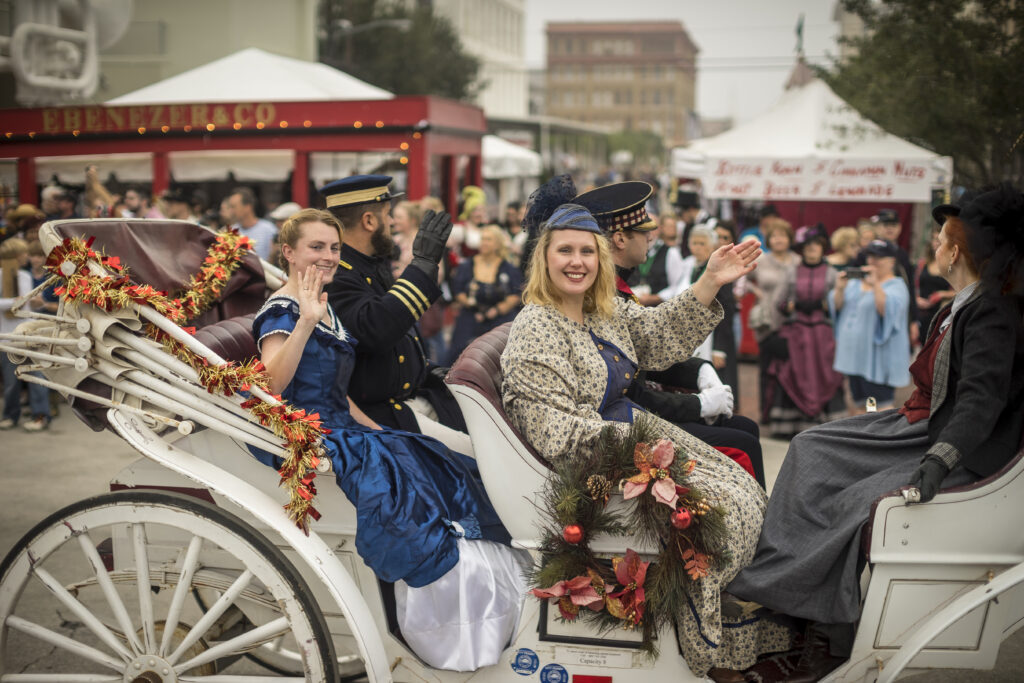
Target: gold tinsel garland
[{"x": 68, "y": 264}]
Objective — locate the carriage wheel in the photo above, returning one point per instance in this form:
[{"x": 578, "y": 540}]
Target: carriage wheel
[
  {"x": 276, "y": 655},
  {"x": 69, "y": 613}
]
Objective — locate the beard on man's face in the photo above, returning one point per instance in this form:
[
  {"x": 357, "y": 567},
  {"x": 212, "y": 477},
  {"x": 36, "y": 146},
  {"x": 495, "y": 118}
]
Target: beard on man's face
[{"x": 381, "y": 242}]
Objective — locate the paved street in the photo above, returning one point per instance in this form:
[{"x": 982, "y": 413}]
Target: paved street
[{"x": 46, "y": 471}]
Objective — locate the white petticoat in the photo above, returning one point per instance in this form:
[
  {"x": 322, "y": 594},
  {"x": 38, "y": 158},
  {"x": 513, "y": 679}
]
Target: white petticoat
[{"x": 464, "y": 620}]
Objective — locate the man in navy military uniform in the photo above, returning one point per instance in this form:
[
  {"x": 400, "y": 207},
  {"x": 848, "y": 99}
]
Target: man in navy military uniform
[{"x": 392, "y": 381}]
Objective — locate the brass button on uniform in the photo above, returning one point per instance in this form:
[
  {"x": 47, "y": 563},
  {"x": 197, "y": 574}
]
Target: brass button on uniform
[
  {"x": 401, "y": 359},
  {"x": 406, "y": 385},
  {"x": 398, "y": 406},
  {"x": 600, "y": 347},
  {"x": 615, "y": 358},
  {"x": 627, "y": 375},
  {"x": 391, "y": 400},
  {"x": 625, "y": 390},
  {"x": 368, "y": 281}
]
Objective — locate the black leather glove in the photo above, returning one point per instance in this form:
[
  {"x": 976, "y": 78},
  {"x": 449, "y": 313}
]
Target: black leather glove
[
  {"x": 439, "y": 372},
  {"x": 428, "y": 247},
  {"x": 929, "y": 477}
]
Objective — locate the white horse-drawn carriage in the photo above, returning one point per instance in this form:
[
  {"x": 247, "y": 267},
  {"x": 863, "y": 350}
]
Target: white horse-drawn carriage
[{"x": 191, "y": 569}]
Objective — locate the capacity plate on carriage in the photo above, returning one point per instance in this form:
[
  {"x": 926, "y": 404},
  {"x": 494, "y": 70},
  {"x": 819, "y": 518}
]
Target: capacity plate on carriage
[{"x": 593, "y": 657}]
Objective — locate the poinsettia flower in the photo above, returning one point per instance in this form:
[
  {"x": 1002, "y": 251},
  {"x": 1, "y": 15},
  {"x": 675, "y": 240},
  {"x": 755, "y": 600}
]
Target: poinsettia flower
[
  {"x": 653, "y": 464},
  {"x": 628, "y": 603},
  {"x": 572, "y": 594}
]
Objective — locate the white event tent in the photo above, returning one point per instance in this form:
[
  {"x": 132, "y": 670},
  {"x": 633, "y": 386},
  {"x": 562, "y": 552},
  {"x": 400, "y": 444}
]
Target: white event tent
[
  {"x": 510, "y": 171},
  {"x": 811, "y": 146}
]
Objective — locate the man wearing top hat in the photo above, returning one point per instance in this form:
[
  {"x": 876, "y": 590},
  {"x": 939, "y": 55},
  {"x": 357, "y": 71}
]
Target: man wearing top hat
[
  {"x": 392, "y": 381},
  {"x": 620, "y": 211}
]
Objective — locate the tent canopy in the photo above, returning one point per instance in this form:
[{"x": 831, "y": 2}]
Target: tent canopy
[
  {"x": 254, "y": 75},
  {"x": 504, "y": 159},
  {"x": 811, "y": 145}
]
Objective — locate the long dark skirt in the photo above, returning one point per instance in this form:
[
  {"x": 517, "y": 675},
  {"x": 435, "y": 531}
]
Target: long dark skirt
[{"x": 806, "y": 559}]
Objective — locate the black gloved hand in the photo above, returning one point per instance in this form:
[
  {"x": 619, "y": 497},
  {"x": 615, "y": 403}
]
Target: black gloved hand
[
  {"x": 439, "y": 372},
  {"x": 428, "y": 247},
  {"x": 929, "y": 477}
]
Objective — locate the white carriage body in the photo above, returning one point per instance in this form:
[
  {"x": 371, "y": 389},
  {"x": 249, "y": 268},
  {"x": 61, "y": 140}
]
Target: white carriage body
[{"x": 935, "y": 569}]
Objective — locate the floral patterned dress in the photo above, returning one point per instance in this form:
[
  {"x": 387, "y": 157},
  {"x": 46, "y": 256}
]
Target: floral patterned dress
[{"x": 556, "y": 384}]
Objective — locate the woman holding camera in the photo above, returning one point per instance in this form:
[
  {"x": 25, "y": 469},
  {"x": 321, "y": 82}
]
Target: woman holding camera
[{"x": 872, "y": 328}]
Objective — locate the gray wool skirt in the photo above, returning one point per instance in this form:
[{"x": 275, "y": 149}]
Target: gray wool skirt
[{"x": 806, "y": 563}]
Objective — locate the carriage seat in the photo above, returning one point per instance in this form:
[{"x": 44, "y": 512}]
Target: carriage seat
[
  {"x": 513, "y": 473},
  {"x": 479, "y": 368},
  {"x": 230, "y": 339}
]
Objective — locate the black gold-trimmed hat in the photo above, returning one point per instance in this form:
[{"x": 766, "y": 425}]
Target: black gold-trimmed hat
[
  {"x": 358, "y": 189},
  {"x": 620, "y": 206}
]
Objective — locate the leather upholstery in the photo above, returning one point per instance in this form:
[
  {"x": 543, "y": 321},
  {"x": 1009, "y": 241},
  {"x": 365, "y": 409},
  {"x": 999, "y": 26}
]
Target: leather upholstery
[
  {"x": 230, "y": 339},
  {"x": 479, "y": 367}
]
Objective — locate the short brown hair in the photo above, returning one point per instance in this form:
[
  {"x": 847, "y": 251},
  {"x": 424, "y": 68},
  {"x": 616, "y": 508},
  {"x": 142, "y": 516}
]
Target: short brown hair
[
  {"x": 352, "y": 215},
  {"x": 291, "y": 231},
  {"x": 773, "y": 224}
]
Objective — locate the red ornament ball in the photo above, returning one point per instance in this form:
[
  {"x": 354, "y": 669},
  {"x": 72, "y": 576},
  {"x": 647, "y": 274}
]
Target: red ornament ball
[
  {"x": 681, "y": 518},
  {"x": 572, "y": 533}
]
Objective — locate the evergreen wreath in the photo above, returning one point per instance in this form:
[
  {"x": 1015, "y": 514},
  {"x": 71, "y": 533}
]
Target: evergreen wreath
[{"x": 664, "y": 510}]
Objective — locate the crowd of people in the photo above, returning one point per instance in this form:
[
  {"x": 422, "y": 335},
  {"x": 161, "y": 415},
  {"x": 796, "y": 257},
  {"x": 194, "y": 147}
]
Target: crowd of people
[{"x": 618, "y": 313}]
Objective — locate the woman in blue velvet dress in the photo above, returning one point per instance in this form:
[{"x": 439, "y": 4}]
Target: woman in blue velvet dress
[{"x": 423, "y": 517}]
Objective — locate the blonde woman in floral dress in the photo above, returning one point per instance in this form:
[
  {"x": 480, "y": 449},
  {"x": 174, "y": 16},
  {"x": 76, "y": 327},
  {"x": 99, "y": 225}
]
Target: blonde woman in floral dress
[{"x": 570, "y": 355}]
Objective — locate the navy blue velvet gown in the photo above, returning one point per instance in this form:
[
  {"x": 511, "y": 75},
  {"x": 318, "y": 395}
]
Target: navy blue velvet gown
[{"x": 414, "y": 497}]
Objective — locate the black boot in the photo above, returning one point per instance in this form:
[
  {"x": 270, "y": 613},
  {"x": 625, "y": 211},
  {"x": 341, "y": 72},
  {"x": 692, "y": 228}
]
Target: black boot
[{"x": 815, "y": 661}]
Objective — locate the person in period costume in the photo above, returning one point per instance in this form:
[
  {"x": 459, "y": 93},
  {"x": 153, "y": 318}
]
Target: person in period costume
[
  {"x": 773, "y": 270},
  {"x": 392, "y": 381},
  {"x": 872, "y": 336},
  {"x": 962, "y": 422},
  {"x": 571, "y": 355},
  {"x": 487, "y": 288},
  {"x": 803, "y": 388},
  {"x": 933, "y": 291},
  {"x": 423, "y": 519},
  {"x": 707, "y": 413}
]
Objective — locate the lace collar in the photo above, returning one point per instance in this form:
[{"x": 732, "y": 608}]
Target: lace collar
[{"x": 287, "y": 301}]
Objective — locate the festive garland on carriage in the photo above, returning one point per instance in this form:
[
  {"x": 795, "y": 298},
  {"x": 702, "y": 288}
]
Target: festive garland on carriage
[
  {"x": 302, "y": 432},
  {"x": 667, "y": 511}
]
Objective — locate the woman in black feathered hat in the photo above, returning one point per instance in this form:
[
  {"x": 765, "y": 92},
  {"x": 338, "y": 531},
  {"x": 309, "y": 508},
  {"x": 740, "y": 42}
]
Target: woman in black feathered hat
[{"x": 962, "y": 423}]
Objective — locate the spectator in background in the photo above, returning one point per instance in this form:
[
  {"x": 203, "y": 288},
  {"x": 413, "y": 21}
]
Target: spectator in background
[
  {"x": 18, "y": 218},
  {"x": 889, "y": 229},
  {"x": 407, "y": 216},
  {"x": 845, "y": 247},
  {"x": 242, "y": 206},
  {"x": 513, "y": 222},
  {"x": 766, "y": 215},
  {"x": 933, "y": 291},
  {"x": 803, "y": 390},
  {"x": 138, "y": 201},
  {"x": 48, "y": 200},
  {"x": 487, "y": 289},
  {"x": 866, "y": 234},
  {"x": 67, "y": 205},
  {"x": 689, "y": 216},
  {"x": 15, "y": 282},
  {"x": 774, "y": 269},
  {"x": 98, "y": 200},
  {"x": 465, "y": 237},
  {"x": 652, "y": 275},
  {"x": 176, "y": 206},
  {"x": 279, "y": 215},
  {"x": 872, "y": 336}
]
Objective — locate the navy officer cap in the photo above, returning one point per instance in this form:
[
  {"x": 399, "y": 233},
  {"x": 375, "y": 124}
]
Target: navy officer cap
[
  {"x": 620, "y": 206},
  {"x": 358, "y": 189}
]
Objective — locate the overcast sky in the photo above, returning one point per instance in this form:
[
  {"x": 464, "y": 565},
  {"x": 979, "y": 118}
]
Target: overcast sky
[{"x": 747, "y": 47}]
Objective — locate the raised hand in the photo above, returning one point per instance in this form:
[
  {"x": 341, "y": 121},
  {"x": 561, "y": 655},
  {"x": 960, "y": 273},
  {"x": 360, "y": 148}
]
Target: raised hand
[
  {"x": 312, "y": 298},
  {"x": 429, "y": 243},
  {"x": 730, "y": 262}
]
